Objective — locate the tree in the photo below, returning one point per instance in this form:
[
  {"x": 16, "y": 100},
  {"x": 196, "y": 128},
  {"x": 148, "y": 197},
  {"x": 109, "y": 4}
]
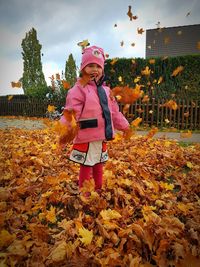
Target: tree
[
  {"x": 33, "y": 80},
  {"x": 70, "y": 70}
]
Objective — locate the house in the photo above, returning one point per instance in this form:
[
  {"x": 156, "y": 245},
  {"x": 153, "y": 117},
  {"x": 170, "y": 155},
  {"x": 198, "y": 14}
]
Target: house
[{"x": 173, "y": 41}]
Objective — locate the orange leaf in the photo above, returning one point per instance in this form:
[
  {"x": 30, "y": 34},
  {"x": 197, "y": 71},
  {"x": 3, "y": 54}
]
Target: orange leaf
[
  {"x": 51, "y": 108},
  {"x": 146, "y": 71},
  {"x": 152, "y": 132},
  {"x": 171, "y": 104},
  {"x": 66, "y": 85},
  {"x": 177, "y": 71},
  {"x": 16, "y": 84},
  {"x": 136, "y": 122},
  {"x": 128, "y": 95}
]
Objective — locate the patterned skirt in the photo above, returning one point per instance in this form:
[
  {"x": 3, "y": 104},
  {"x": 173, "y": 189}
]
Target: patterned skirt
[{"x": 90, "y": 153}]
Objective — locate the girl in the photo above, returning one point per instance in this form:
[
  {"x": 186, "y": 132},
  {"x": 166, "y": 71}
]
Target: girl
[{"x": 97, "y": 114}]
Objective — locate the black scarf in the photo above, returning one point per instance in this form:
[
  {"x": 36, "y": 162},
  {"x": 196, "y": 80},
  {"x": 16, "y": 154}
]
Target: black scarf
[{"x": 106, "y": 112}]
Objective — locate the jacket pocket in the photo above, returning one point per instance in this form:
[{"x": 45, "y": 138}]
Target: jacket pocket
[{"x": 88, "y": 123}]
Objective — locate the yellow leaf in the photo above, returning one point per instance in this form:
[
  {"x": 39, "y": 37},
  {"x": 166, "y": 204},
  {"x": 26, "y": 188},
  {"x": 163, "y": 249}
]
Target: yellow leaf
[
  {"x": 86, "y": 236},
  {"x": 51, "y": 108},
  {"x": 189, "y": 165},
  {"x": 10, "y": 97},
  {"x": 136, "y": 122},
  {"x": 178, "y": 70},
  {"x": 160, "y": 80},
  {"x": 110, "y": 214},
  {"x": 171, "y": 104},
  {"x": 146, "y": 71},
  {"x": 99, "y": 241},
  {"x": 137, "y": 79},
  {"x": 167, "y": 186},
  {"x": 51, "y": 215},
  {"x": 120, "y": 79}
]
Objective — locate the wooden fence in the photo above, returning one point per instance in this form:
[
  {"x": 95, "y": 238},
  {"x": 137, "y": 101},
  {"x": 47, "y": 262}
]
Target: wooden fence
[{"x": 187, "y": 116}]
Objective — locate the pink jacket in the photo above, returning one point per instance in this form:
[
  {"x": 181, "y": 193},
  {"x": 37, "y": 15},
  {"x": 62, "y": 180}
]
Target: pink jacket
[{"x": 85, "y": 102}]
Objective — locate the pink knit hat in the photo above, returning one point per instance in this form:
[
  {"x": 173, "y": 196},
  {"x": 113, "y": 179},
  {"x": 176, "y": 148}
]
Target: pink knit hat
[{"x": 92, "y": 54}]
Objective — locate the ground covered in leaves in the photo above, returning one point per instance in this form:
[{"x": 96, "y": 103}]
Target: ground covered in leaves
[{"x": 148, "y": 213}]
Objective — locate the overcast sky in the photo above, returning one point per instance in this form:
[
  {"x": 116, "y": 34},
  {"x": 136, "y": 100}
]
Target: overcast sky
[{"x": 61, "y": 24}]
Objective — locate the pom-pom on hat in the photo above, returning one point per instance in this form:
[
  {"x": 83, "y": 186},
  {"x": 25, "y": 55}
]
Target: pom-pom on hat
[{"x": 92, "y": 54}]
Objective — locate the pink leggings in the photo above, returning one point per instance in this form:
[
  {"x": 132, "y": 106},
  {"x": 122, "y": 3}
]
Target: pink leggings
[{"x": 95, "y": 171}]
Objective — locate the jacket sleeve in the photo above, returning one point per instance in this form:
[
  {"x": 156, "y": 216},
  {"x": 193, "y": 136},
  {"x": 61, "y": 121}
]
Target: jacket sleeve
[
  {"x": 74, "y": 101},
  {"x": 119, "y": 121}
]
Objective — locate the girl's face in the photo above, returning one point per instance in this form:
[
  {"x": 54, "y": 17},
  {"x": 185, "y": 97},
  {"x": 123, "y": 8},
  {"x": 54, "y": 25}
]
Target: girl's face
[{"x": 94, "y": 70}]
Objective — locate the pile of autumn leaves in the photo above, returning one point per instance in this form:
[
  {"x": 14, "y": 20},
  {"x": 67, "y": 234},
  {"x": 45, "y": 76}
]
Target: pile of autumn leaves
[{"x": 147, "y": 214}]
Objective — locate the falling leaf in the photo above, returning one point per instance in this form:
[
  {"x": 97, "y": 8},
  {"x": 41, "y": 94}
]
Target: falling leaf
[
  {"x": 129, "y": 13},
  {"x": 177, "y": 71},
  {"x": 120, "y": 79},
  {"x": 179, "y": 32},
  {"x": 51, "y": 108},
  {"x": 128, "y": 95},
  {"x": 83, "y": 44},
  {"x": 152, "y": 132},
  {"x": 167, "y": 121},
  {"x": 113, "y": 61},
  {"x": 122, "y": 43},
  {"x": 145, "y": 99},
  {"x": 137, "y": 79},
  {"x": 188, "y": 13},
  {"x": 115, "y": 25},
  {"x": 198, "y": 45},
  {"x": 136, "y": 122},
  {"x": 16, "y": 84},
  {"x": 66, "y": 85},
  {"x": 10, "y": 97},
  {"x": 171, "y": 104},
  {"x": 135, "y": 17},
  {"x": 133, "y": 44},
  {"x": 86, "y": 236},
  {"x": 126, "y": 108},
  {"x": 152, "y": 61},
  {"x": 140, "y": 30},
  {"x": 146, "y": 71},
  {"x": 160, "y": 79}
]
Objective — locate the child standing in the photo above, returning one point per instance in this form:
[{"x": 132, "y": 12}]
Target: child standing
[{"x": 97, "y": 115}]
